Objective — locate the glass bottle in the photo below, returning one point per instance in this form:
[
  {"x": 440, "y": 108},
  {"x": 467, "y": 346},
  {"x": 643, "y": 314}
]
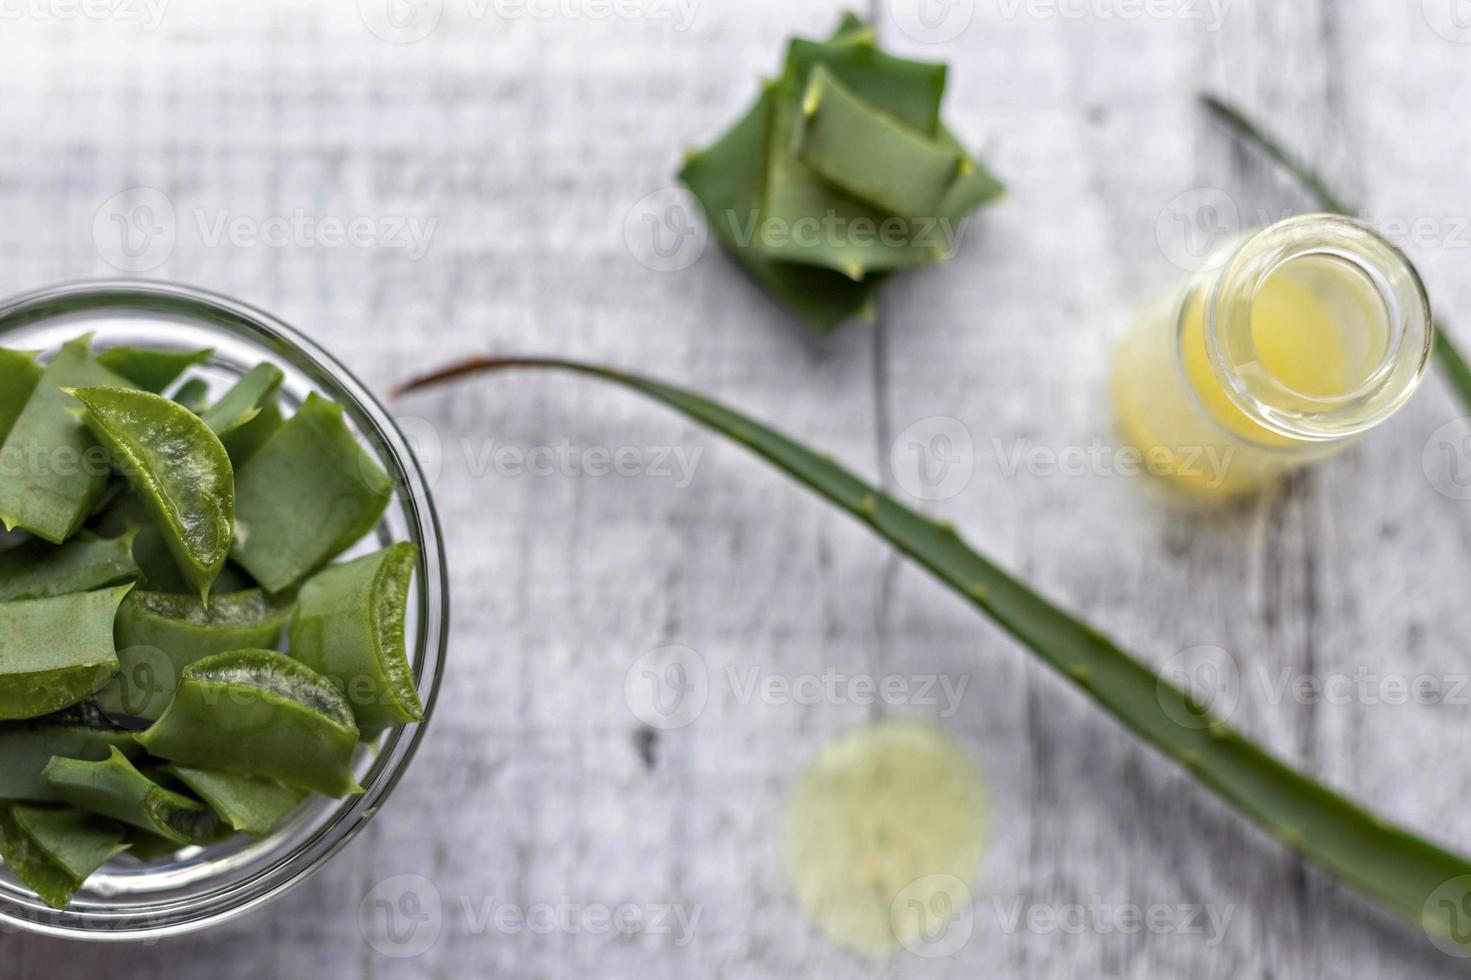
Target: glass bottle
[{"x": 1294, "y": 340}]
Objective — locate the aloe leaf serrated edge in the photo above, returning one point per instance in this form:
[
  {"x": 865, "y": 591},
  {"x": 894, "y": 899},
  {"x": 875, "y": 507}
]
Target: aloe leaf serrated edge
[{"x": 1409, "y": 875}]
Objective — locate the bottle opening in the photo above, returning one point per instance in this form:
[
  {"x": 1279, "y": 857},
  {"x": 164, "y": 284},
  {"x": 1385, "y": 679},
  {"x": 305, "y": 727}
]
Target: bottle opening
[{"x": 1317, "y": 328}]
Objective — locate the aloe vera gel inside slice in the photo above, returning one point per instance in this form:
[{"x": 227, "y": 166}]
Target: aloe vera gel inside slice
[
  {"x": 259, "y": 713},
  {"x": 158, "y": 635},
  {"x": 178, "y": 469},
  {"x": 883, "y": 835},
  {"x": 349, "y": 627}
]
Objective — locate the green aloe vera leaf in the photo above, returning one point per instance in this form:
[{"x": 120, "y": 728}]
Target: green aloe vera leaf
[
  {"x": 147, "y": 846},
  {"x": 349, "y": 627},
  {"x": 1447, "y": 354},
  {"x": 245, "y": 441},
  {"x": 55, "y": 651},
  {"x": 253, "y": 804},
  {"x": 973, "y": 188},
  {"x": 115, "y": 788},
  {"x": 1389, "y": 864},
  {"x": 805, "y": 219},
  {"x": 260, "y": 713},
  {"x": 78, "y": 841},
  {"x": 158, "y": 634},
  {"x": 910, "y": 91},
  {"x": 26, "y": 747},
  {"x": 249, "y": 414},
  {"x": 177, "y": 468},
  {"x": 870, "y": 154},
  {"x": 161, "y": 573},
  {"x": 53, "y": 850},
  {"x": 51, "y": 469},
  {"x": 726, "y": 179},
  {"x": 38, "y": 569},
  {"x": 193, "y": 395},
  {"x": 19, "y": 374},
  {"x": 150, "y": 369},
  {"x": 243, "y": 401},
  {"x": 306, "y": 496}
]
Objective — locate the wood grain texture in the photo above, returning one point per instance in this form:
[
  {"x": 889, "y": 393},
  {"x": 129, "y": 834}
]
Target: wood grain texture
[{"x": 529, "y": 144}]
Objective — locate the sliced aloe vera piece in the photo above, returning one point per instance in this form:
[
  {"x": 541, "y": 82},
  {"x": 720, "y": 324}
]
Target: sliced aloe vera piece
[
  {"x": 127, "y": 515},
  {"x": 1387, "y": 863},
  {"x": 259, "y": 713},
  {"x": 147, "y": 846},
  {"x": 53, "y": 850},
  {"x": 193, "y": 395},
  {"x": 55, "y": 651},
  {"x": 51, "y": 469},
  {"x": 974, "y": 187},
  {"x": 26, "y": 748},
  {"x": 39, "y": 569},
  {"x": 249, "y": 414},
  {"x": 115, "y": 788},
  {"x": 306, "y": 496},
  {"x": 243, "y": 402},
  {"x": 157, "y": 635},
  {"x": 910, "y": 91},
  {"x": 870, "y": 154},
  {"x": 245, "y": 441},
  {"x": 807, "y": 220},
  {"x": 150, "y": 369},
  {"x": 726, "y": 179},
  {"x": 349, "y": 627},
  {"x": 177, "y": 468},
  {"x": 19, "y": 374},
  {"x": 252, "y": 804}
]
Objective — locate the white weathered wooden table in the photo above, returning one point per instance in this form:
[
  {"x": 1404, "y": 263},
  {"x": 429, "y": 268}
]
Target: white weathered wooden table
[{"x": 519, "y": 146}]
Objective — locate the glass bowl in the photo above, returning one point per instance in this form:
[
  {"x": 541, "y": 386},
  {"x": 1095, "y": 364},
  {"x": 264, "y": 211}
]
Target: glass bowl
[{"x": 199, "y": 887}]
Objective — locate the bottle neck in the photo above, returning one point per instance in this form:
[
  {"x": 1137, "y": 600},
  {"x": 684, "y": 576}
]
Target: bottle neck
[{"x": 1316, "y": 327}]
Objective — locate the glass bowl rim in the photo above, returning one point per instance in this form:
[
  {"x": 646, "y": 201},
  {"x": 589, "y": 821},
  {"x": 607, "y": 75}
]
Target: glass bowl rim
[{"x": 284, "y": 872}]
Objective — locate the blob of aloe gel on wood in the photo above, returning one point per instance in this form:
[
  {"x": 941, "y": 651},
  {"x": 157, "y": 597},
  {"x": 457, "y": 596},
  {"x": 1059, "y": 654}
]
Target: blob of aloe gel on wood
[{"x": 882, "y": 835}]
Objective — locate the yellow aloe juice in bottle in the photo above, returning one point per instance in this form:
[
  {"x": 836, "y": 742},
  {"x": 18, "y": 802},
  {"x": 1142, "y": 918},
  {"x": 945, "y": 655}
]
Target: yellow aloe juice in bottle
[{"x": 1294, "y": 340}]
